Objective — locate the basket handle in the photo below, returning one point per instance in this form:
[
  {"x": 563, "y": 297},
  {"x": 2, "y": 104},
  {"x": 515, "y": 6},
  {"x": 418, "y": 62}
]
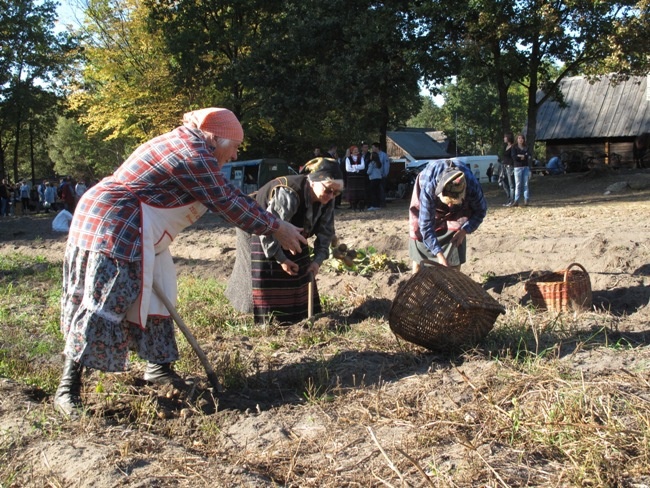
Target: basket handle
[{"x": 568, "y": 268}]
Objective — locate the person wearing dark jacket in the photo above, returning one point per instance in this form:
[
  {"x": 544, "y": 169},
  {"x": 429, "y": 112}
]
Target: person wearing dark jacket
[
  {"x": 508, "y": 167},
  {"x": 265, "y": 280},
  {"x": 521, "y": 161}
]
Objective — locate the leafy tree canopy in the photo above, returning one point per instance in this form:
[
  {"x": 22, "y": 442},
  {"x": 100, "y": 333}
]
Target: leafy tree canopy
[{"x": 32, "y": 60}]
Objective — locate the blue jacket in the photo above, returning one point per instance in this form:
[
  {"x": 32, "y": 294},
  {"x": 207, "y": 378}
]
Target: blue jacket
[{"x": 473, "y": 197}]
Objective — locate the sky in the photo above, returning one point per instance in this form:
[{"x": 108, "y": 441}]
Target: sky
[{"x": 66, "y": 14}]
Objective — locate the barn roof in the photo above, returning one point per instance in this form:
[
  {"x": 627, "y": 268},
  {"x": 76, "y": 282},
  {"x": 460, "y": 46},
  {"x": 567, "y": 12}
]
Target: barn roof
[
  {"x": 418, "y": 144},
  {"x": 596, "y": 110}
]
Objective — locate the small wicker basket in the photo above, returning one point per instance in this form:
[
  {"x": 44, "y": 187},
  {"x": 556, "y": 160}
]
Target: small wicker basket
[
  {"x": 442, "y": 309},
  {"x": 562, "y": 290}
]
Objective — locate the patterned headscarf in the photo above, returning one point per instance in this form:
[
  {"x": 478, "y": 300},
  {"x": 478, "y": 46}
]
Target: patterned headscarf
[
  {"x": 452, "y": 184},
  {"x": 322, "y": 169},
  {"x": 220, "y": 122}
]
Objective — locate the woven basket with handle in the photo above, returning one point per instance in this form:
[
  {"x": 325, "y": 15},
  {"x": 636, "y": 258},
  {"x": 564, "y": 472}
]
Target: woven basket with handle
[
  {"x": 442, "y": 309},
  {"x": 567, "y": 289}
]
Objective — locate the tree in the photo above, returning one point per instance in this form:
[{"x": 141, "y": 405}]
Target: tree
[
  {"x": 31, "y": 60},
  {"x": 430, "y": 115},
  {"x": 75, "y": 152},
  {"x": 570, "y": 32},
  {"x": 470, "y": 115},
  {"x": 126, "y": 91},
  {"x": 298, "y": 74},
  {"x": 536, "y": 43}
]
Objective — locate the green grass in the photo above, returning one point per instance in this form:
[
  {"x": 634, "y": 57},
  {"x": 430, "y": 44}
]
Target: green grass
[
  {"x": 517, "y": 392},
  {"x": 30, "y": 343}
]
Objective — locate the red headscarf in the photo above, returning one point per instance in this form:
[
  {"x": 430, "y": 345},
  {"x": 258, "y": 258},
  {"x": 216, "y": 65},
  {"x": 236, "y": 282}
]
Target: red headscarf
[{"x": 220, "y": 122}]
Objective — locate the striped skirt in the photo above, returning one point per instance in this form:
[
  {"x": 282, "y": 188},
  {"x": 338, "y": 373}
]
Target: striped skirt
[{"x": 278, "y": 296}]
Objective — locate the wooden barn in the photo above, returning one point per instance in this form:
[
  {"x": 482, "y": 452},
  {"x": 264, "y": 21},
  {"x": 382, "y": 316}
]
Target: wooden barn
[
  {"x": 599, "y": 123},
  {"x": 412, "y": 144}
]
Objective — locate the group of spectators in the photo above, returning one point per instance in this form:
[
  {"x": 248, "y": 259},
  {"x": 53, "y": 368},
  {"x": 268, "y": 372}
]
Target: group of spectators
[
  {"x": 24, "y": 198},
  {"x": 515, "y": 169},
  {"x": 365, "y": 171}
]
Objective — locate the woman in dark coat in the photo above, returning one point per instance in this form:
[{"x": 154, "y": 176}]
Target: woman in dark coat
[{"x": 266, "y": 279}]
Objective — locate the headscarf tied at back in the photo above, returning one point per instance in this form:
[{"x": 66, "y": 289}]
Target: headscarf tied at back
[
  {"x": 219, "y": 122},
  {"x": 322, "y": 169}
]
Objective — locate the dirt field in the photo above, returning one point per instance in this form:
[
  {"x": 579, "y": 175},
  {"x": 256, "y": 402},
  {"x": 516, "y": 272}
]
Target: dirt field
[{"x": 372, "y": 429}]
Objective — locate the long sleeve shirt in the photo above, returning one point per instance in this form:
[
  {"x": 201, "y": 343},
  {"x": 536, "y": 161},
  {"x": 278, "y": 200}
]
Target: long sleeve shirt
[
  {"x": 319, "y": 219},
  {"x": 520, "y": 156},
  {"x": 385, "y": 164},
  {"x": 170, "y": 171},
  {"x": 422, "y": 218},
  {"x": 374, "y": 173},
  {"x": 354, "y": 165},
  {"x": 50, "y": 194}
]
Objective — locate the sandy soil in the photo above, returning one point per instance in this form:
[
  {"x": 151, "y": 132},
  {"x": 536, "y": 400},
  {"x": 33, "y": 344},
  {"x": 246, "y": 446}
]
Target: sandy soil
[{"x": 599, "y": 220}]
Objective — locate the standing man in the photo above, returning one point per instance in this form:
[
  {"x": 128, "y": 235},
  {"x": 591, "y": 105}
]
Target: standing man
[
  {"x": 385, "y": 169},
  {"x": 24, "y": 196},
  {"x": 68, "y": 195},
  {"x": 41, "y": 195},
  {"x": 80, "y": 188},
  {"x": 446, "y": 205},
  {"x": 49, "y": 197},
  {"x": 365, "y": 153},
  {"x": 489, "y": 172}
]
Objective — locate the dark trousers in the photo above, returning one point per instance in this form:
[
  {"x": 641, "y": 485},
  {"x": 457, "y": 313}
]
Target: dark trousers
[{"x": 374, "y": 193}]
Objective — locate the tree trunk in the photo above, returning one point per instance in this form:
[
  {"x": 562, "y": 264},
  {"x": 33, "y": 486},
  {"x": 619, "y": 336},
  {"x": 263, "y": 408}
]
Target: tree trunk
[
  {"x": 3, "y": 167},
  {"x": 383, "y": 123},
  {"x": 17, "y": 144},
  {"x": 502, "y": 89},
  {"x": 31, "y": 153},
  {"x": 531, "y": 126}
]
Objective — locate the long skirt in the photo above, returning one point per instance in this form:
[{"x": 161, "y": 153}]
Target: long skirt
[
  {"x": 356, "y": 190},
  {"x": 97, "y": 292},
  {"x": 278, "y": 296}
]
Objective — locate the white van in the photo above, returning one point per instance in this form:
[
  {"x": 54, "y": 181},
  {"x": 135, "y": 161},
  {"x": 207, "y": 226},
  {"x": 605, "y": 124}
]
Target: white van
[{"x": 483, "y": 162}]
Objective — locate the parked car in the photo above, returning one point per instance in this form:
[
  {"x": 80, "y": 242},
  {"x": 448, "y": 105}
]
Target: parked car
[{"x": 249, "y": 175}]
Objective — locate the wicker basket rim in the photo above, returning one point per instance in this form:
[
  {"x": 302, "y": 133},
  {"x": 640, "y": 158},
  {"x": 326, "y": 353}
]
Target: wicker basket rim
[{"x": 563, "y": 272}]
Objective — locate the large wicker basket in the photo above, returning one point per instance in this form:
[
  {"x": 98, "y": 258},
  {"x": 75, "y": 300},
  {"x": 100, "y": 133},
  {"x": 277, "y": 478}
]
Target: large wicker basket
[
  {"x": 442, "y": 309},
  {"x": 562, "y": 290}
]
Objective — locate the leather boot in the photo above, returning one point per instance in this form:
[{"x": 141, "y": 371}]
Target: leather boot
[
  {"x": 67, "y": 398},
  {"x": 164, "y": 374}
]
